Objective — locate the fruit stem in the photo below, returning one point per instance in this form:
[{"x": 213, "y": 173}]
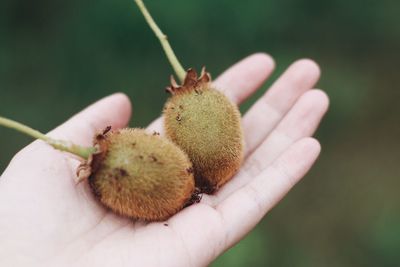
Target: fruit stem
[
  {"x": 173, "y": 60},
  {"x": 83, "y": 152}
]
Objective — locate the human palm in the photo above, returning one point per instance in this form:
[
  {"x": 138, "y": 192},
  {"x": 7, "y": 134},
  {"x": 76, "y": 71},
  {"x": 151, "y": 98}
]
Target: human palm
[{"x": 46, "y": 219}]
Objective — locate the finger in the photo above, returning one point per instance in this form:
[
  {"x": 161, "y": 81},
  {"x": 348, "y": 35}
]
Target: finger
[
  {"x": 245, "y": 208},
  {"x": 114, "y": 111},
  {"x": 301, "y": 121},
  {"x": 266, "y": 113},
  {"x": 245, "y": 77},
  {"x": 239, "y": 81}
]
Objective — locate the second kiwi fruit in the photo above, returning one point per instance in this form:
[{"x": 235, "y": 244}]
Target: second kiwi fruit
[
  {"x": 207, "y": 126},
  {"x": 201, "y": 120}
]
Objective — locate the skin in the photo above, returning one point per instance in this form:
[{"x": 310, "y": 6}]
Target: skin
[{"x": 48, "y": 220}]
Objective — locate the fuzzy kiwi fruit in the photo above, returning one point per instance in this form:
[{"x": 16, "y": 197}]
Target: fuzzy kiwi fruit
[
  {"x": 201, "y": 120},
  {"x": 206, "y": 125},
  {"x": 134, "y": 174},
  {"x": 140, "y": 175}
]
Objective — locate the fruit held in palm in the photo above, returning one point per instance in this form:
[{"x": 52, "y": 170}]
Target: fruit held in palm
[
  {"x": 140, "y": 175},
  {"x": 206, "y": 125},
  {"x": 201, "y": 120},
  {"x": 134, "y": 174}
]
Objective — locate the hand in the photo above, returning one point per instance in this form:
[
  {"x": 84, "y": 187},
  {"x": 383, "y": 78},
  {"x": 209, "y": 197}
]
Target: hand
[{"x": 48, "y": 220}]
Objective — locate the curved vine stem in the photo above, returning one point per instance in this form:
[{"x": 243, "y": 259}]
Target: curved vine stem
[
  {"x": 83, "y": 152},
  {"x": 173, "y": 60}
]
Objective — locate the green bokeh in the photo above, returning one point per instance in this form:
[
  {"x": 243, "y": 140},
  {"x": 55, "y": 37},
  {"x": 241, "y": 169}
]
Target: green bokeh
[{"x": 56, "y": 57}]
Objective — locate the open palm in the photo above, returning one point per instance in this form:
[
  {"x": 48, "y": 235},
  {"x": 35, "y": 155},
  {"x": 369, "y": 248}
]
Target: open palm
[{"x": 46, "y": 219}]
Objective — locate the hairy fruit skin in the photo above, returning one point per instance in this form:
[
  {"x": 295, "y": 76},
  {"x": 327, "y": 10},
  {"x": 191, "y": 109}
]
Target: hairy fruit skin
[
  {"x": 207, "y": 126},
  {"x": 140, "y": 176}
]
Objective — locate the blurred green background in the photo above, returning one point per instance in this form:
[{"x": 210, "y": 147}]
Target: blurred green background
[{"x": 56, "y": 57}]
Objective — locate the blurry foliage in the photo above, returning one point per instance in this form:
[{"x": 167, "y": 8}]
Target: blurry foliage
[{"x": 56, "y": 57}]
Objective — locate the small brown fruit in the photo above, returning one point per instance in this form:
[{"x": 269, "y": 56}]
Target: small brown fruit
[
  {"x": 139, "y": 175},
  {"x": 207, "y": 126},
  {"x": 132, "y": 173},
  {"x": 201, "y": 120}
]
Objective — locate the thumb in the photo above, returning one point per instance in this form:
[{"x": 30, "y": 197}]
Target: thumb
[{"x": 114, "y": 111}]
